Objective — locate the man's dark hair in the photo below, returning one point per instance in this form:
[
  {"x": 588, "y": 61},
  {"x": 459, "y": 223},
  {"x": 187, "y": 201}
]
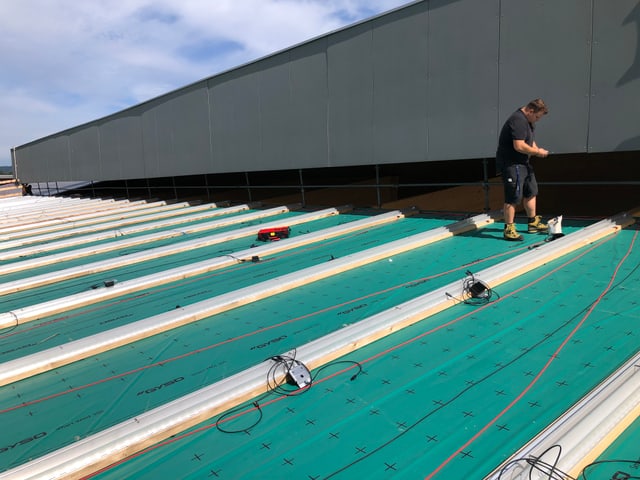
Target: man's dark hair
[{"x": 538, "y": 105}]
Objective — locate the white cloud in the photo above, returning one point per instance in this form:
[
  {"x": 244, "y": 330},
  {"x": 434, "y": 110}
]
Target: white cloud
[{"x": 65, "y": 62}]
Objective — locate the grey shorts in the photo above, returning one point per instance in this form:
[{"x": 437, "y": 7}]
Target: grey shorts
[{"x": 519, "y": 182}]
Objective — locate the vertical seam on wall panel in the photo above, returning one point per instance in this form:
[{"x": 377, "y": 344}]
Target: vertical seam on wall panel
[
  {"x": 261, "y": 159},
  {"x": 590, "y": 87},
  {"x": 373, "y": 95},
  {"x": 499, "y": 61},
  {"x": 100, "y": 151},
  {"x": 327, "y": 103},
  {"x": 427, "y": 80},
  {"x": 209, "y": 120}
]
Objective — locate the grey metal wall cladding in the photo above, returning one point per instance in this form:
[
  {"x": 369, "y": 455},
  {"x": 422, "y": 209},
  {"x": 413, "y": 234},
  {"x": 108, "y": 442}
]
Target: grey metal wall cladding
[
  {"x": 463, "y": 78},
  {"x": 235, "y": 121},
  {"x": 178, "y": 129},
  {"x": 84, "y": 152},
  {"x": 545, "y": 52},
  {"x": 399, "y": 67},
  {"x": 121, "y": 141},
  {"x": 431, "y": 81},
  {"x": 615, "y": 82}
]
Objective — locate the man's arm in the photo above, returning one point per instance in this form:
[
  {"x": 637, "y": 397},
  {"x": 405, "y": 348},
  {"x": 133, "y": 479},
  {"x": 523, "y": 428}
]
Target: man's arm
[{"x": 522, "y": 147}]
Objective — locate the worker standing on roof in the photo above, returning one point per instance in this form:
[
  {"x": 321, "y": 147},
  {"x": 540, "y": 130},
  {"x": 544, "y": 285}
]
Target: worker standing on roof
[{"x": 516, "y": 145}]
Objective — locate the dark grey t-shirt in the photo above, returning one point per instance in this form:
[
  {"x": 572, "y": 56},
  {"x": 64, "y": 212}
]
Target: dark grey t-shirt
[{"x": 517, "y": 127}]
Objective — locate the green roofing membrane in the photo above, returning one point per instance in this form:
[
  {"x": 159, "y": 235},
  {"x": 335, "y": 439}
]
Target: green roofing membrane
[{"x": 451, "y": 396}]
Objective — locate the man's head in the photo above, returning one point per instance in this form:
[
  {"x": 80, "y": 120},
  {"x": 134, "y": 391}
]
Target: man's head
[{"x": 535, "y": 109}]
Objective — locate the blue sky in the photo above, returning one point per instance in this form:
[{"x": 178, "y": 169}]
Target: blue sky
[{"x": 66, "y": 62}]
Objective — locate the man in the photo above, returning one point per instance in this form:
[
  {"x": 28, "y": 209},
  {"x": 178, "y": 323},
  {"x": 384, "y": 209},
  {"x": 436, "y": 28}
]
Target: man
[{"x": 516, "y": 145}]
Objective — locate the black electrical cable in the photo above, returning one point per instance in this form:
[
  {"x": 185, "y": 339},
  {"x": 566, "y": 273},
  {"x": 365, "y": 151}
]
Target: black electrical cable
[
  {"x": 475, "y": 292},
  {"x": 552, "y": 472},
  {"x": 232, "y": 412},
  {"x": 633, "y": 464},
  {"x": 536, "y": 464},
  {"x": 283, "y": 364}
]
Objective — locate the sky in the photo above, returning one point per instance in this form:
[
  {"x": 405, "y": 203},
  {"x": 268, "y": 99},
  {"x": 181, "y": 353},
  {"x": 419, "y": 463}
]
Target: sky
[{"x": 67, "y": 62}]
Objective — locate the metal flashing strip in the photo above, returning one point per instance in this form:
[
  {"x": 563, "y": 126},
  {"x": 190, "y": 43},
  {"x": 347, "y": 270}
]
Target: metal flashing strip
[
  {"x": 106, "y": 265},
  {"x": 104, "y": 448},
  {"x": 34, "y": 312},
  {"x": 90, "y": 225},
  {"x": 102, "y": 248},
  {"x": 56, "y": 221},
  {"x": 584, "y": 432},
  {"x": 185, "y": 217},
  {"x": 30, "y": 215},
  {"x": 70, "y": 352}
]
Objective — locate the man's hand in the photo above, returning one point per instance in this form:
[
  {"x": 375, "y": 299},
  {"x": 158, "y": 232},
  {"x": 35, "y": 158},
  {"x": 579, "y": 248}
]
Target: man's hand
[{"x": 542, "y": 153}]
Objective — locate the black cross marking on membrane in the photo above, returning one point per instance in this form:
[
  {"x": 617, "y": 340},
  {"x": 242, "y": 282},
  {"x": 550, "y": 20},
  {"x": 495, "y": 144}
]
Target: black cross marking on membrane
[
  {"x": 334, "y": 435},
  {"x": 466, "y": 454},
  {"x": 197, "y": 457},
  {"x": 328, "y": 390},
  {"x": 442, "y": 374},
  {"x": 609, "y": 348},
  {"x": 311, "y": 422},
  {"x": 500, "y": 392},
  {"x": 214, "y": 473},
  {"x": 361, "y": 450},
  {"x": 265, "y": 446},
  {"x": 470, "y": 382},
  {"x": 401, "y": 424},
  {"x": 410, "y": 391},
  {"x": 432, "y": 438},
  {"x": 534, "y": 404},
  {"x": 588, "y": 364},
  {"x": 471, "y": 357},
  {"x": 390, "y": 467},
  {"x": 290, "y": 410},
  {"x": 351, "y": 400},
  {"x": 468, "y": 414},
  {"x": 417, "y": 365},
  {"x": 288, "y": 461},
  {"x": 374, "y": 411},
  {"x": 528, "y": 374},
  {"x": 563, "y": 383},
  {"x": 502, "y": 427},
  {"x": 386, "y": 382},
  {"x": 440, "y": 403}
]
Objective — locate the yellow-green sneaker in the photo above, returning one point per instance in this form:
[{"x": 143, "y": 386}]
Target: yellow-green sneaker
[
  {"x": 510, "y": 233},
  {"x": 537, "y": 226}
]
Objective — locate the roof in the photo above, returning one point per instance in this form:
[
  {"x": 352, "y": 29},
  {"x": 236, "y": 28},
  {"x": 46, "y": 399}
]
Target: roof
[{"x": 153, "y": 340}]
